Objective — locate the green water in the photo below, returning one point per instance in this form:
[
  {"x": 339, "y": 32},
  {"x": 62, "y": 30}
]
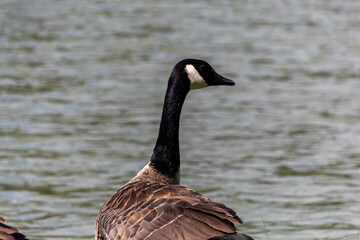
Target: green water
[{"x": 81, "y": 91}]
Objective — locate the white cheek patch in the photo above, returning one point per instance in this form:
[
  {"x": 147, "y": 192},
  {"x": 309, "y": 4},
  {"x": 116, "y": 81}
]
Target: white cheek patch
[{"x": 196, "y": 81}]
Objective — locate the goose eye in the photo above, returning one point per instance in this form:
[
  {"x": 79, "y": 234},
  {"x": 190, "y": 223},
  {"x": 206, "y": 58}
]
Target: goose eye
[{"x": 202, "y": 68}]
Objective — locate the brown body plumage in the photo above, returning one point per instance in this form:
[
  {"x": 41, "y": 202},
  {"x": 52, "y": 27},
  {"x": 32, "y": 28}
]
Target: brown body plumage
[
  {"x": 151, "y": 210},
  {"x": 152, "y": 205},
  {"x": 9, "y": 233}
]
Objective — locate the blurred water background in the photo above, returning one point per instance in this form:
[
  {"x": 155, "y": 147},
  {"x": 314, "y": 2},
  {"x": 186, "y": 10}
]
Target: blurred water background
[{"x": 81, "y": 92}]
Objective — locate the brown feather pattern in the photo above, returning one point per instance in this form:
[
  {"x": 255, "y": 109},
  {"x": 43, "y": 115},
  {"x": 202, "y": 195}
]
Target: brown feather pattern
[
  {"x": 151, "y": 210},
  {"x": 9, "y": 233}
]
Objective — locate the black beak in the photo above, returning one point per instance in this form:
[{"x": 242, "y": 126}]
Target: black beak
[{"x": 220, "y": 80}]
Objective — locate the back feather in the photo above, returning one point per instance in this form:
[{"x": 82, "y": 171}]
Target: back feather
[
  {"x": 235, "y": 236},
  {"x": 149, "y": 210},
  {"x": 9, "y": 233}
]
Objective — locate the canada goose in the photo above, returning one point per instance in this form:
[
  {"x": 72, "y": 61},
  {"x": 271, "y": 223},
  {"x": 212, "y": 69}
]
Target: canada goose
[
  {"x": 9, "y": 233},
  {"x": 152, "y": 205}
]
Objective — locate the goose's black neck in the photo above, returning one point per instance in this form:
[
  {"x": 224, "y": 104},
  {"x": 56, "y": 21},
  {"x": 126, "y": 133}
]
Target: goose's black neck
[{"x": 166, "y": 156}]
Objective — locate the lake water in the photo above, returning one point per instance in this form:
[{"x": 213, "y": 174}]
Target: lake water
[{"x": 81, "y": 92}]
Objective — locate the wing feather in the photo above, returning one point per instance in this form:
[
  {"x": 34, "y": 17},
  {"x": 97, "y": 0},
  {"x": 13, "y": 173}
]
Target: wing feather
[
  {"x": 145, "y": 210},
  {"x": 9, "y": 233}
]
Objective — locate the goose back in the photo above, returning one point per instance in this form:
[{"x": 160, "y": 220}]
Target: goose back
[
  {"x": 150, "y": 210},
  {"x": 9, "y": 233}
]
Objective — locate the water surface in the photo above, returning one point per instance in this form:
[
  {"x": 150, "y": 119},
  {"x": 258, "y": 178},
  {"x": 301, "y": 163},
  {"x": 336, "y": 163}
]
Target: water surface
[{"x": 81, "y": 91}]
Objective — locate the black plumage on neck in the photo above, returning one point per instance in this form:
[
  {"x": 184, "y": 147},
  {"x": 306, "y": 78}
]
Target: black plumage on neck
[{"x": 166, "y": 155}]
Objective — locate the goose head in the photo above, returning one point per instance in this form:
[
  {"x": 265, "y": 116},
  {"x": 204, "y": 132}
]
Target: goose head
[{"x": 200, "y": 74}]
